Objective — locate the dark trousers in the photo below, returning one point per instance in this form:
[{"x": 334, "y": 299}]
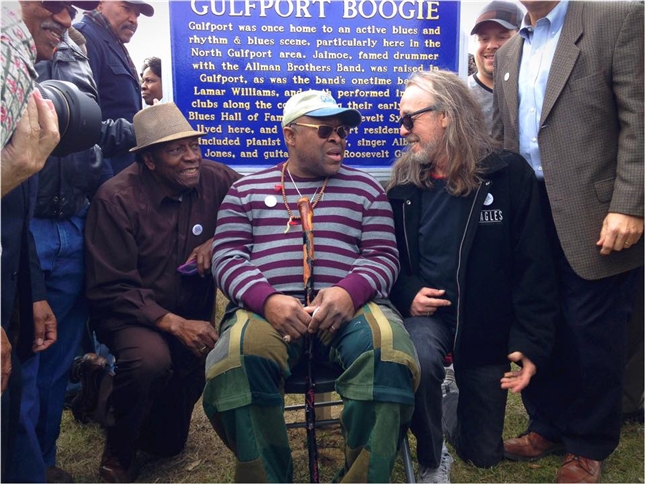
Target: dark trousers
[
  {"x": 10, "y": 406},
  {"x": 577, "y": 399},
  {"x": 475, "y": 428},
  {"x": 156, "y": 384},
  {"x": 474, "y": 425},
  {"x": 634, "y": 374}
]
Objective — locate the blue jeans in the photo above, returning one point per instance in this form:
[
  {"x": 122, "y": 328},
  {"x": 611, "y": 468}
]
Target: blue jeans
[{"x": 60, "y": 246}]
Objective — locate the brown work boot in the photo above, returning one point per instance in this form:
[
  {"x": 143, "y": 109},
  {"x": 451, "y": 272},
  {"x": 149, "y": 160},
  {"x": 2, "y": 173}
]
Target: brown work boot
[
  {"x": 114, "y": 469},
  {"x": 530, "y": 446},
  {"x": 576, "y": 468},
  {"x": 90, "y": 369}
]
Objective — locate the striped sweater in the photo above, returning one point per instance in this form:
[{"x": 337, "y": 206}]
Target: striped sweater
[{"x": 354, "y": 242}]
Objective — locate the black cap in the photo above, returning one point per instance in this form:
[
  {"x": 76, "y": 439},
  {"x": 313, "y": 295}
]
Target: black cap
[
  {"x": 145, "y": 8},
  {"x": 507, "y": 14}
]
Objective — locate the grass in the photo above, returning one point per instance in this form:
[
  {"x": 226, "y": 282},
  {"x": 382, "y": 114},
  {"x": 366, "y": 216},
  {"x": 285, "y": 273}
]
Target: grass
[{"x": 206, "y": 459}]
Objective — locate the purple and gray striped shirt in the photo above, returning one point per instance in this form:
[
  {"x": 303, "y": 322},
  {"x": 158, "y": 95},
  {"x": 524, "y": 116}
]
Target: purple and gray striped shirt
[{"x": 354, "y": 242}]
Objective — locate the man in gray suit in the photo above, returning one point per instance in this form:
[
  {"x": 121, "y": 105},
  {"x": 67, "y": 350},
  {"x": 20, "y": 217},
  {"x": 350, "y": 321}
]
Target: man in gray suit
[{"x": 569, "y": 97}]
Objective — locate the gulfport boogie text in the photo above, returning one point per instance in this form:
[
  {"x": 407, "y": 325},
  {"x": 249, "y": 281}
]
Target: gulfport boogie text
[{"x": 387, "y": 9}]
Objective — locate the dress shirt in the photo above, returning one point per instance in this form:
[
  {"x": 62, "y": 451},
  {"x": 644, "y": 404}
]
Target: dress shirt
[{"x": 540, "y": 43}]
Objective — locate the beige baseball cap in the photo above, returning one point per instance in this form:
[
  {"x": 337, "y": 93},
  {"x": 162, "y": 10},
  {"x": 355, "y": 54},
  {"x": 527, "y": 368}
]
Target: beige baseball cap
[{"x": 317, "y": 104}]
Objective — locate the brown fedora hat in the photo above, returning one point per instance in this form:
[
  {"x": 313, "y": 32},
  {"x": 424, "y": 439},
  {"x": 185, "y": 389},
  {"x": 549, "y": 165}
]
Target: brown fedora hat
[{"x": 161, "y": 123}]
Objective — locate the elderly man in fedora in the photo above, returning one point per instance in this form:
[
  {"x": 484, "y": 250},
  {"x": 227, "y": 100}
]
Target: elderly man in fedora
[{"x": 148, "y": 239}]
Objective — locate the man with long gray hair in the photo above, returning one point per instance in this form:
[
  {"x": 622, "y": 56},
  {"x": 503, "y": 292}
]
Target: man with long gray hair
[{"x": 475, "y": 277}]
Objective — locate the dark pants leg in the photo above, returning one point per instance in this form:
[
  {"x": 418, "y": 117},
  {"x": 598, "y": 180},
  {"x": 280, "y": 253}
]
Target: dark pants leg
[
  {"x": 634, "y": 375},
  {"x": 156, "y": 384},
  {"x": 26, "y": 463},
  {"x": 578, "y": 400},
  {"x": 476, "y": 433},
  {"x": 432, "y": 339},
  {"x": 10, "y": 414}
]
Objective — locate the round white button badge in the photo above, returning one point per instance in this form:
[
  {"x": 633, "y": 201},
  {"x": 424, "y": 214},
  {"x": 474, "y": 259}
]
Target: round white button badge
[
  {"x": 489, "y": 199},
  {"x": 197, "y": 229},
  {"x": 270, "y": 201}
]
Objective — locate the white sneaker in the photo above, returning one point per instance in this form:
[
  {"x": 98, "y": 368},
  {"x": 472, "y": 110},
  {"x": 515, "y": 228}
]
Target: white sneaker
[
  {"x": 449, "y": 384},
  {"x": 442, "y": 473}
]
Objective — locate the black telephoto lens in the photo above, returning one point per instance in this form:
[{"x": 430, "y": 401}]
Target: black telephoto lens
[{"x": 79, "y": 116}]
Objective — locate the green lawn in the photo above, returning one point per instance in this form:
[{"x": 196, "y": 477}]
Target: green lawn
[{"x": 207, "y": 460}]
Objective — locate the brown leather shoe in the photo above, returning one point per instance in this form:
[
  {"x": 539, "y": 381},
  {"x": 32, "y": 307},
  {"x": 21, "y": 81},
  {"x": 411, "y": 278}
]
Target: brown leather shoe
[
  {"x": 113, "y": 470},
  {"x": 56, "y": 474},
  {"x": 576, "y": 468},
  {"x": 530, "y": 446}
]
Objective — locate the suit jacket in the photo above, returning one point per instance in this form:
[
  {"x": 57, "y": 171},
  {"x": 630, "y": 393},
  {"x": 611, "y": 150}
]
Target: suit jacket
[
  {"x": 118, "y": 86},
  {"x": 591, "y": 135}
]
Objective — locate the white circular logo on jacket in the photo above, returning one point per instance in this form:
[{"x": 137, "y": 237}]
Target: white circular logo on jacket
[
  {"x": 197, "y": 229},
  {"x": 489, "y": 199}
]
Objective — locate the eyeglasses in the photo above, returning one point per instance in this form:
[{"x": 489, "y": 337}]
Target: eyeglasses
[
  {"x": 408, "y": 123},
  {"x": 58, "y": 7},
  {"x": 325, "y": 131}
]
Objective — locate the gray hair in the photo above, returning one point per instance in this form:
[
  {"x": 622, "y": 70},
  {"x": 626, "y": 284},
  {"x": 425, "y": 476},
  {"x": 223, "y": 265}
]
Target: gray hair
[{"x": 465, "y": 141}]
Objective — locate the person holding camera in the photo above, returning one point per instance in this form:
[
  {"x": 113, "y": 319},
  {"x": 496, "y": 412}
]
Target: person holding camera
[{"x": 26, "y": 315}]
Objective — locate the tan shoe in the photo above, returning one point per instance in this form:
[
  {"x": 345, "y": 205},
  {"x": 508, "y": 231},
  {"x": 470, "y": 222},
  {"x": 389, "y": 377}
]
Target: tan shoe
[
  {"x": 530, "y": 446},
  {"x": 576, "y": 468}
]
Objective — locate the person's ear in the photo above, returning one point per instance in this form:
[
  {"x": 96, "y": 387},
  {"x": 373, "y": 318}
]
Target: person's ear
[
  {"x": 445, "y": 120},
  {"x": 289, "y": 135},
  {"x": 148, "y": 160}
]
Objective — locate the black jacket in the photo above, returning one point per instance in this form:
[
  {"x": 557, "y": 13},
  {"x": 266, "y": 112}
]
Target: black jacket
[
  {"x": 66, "y": 183},
  {"x": 507, "y": 297}
]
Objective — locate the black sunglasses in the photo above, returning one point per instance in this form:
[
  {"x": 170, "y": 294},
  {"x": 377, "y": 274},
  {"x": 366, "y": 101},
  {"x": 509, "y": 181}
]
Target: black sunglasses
[
  {"x": 325, "y": 131},
  {"x": 406, "y": 120},
  {"x": 58, "y": 7}
]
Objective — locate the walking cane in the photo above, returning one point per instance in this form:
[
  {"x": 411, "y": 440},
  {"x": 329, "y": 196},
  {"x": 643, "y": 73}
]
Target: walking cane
[{"x": 306, "y": 217}]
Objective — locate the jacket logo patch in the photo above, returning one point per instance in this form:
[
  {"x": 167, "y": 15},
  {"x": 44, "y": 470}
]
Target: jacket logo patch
[
  {"x": 491, "y": 217},
  {"x": 489, "y": 199}
]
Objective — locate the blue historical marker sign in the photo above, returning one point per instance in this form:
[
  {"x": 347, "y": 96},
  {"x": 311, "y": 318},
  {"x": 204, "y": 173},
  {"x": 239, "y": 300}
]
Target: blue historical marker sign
[{"x": 236, "y": 62}]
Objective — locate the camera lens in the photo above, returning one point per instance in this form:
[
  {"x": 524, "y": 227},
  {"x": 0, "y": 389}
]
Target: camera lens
[{"x": 79, "y": 116}]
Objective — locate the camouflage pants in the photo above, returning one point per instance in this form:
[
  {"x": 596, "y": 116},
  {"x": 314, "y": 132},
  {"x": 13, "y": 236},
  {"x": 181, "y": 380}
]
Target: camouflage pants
[{"x": 244, "y": 396}]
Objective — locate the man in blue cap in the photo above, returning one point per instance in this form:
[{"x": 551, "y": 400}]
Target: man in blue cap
[{"x": 258, "y": 263}]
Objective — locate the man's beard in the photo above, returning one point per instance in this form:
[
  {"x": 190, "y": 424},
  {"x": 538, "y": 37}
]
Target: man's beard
[{"x": 425, "y": 155}]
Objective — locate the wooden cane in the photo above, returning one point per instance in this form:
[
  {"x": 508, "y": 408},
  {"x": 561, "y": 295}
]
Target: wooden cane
[{"x": 306, "y": 217}]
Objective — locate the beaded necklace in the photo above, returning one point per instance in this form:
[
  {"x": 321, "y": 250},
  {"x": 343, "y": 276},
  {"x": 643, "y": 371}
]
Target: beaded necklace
[{"x": 293, "y": 219}]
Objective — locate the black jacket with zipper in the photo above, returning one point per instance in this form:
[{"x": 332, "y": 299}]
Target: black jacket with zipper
[{"x": 506, "y": 285}]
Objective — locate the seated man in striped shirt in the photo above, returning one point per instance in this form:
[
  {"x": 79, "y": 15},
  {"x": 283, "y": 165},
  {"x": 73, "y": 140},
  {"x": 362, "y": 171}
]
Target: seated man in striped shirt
[{"x": 258, "y": 264}]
